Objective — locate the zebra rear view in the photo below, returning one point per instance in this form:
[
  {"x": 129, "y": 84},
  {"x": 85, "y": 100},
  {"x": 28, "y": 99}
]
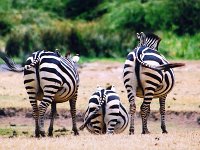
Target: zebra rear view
[
  {"x": 49, "y": 78},
  {"x": 105, "y": 113},
  {"x": 147, "y": 74}
]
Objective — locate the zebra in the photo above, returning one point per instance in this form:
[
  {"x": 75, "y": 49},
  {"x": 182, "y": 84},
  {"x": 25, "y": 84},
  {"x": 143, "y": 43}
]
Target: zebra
[
  {"x": 50, "y": 79},
  {"x": 105, "y": 113},
  {"x": 147, "y": 74}
]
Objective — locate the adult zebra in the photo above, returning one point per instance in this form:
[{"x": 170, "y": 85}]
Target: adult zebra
[
  {"x": 105, "y": 112},
  {"x": 49, "y": 78},
  {"x": 147, "y": 74}
]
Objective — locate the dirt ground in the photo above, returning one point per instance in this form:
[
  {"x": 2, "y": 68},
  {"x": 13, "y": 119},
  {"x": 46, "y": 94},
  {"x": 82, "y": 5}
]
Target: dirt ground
[{"x": 182, "y": 106}]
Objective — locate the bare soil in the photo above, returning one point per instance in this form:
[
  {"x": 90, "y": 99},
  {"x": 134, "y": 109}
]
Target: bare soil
[{"x": 182, "y": 106}]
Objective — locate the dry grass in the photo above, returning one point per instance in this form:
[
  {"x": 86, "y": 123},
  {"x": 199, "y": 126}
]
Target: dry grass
[{"x": 177, "y": 140}]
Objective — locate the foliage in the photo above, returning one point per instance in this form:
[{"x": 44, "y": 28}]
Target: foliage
[
  {"x": 184, "y": 16},
  {"x": 75, "y": 9},
  {"x": 100, "y": 28},
  {"x": 5, "y": 27},
  {"x": 5, "y": 131}
]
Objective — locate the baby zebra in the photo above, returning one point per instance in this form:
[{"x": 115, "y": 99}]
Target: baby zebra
[
  {"x": 49, "y": 78},
  {"x": 105, "y": 113}
]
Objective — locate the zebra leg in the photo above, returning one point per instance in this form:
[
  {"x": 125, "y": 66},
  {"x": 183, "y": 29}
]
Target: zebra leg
[
  {"x": 53, "y": 115},
  {"x": 31, "y": 91},
  {"x": 111, "y": 115},
  {"x": 162, "y": 113},
  {"x": 145, "y": 110},
  {"x": 35, "y": 116},
  {"x": 46, "y": 101},
  {"x": 72, "y": 103},
  {"x": 110, "y": 119},
  {"x": 49, "y": 93},
  {"x": 111, "y": 126},
  {"x": 131, "y": 91},
  {"x": 132, "y": 113}
]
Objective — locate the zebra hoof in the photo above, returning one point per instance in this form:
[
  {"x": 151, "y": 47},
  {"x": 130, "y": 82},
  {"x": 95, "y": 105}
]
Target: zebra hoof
[
  {"x": 165, "y": 132},
  {"x": 50, "y": 134},
  {"x": 145, "y": 132},
  {"x": 42, "y": 133},
  {"x": 110, "y": 133},
  {"x": 37, "y": 133},
  {"x": 131, "y": 131},
  {"x": 76, "y": 133}
]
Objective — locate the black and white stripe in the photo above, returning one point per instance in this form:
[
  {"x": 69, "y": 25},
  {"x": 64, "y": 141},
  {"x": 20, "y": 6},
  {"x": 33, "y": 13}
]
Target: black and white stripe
[
  {"x": 105, "y": 113},
  {"x": 49, "y": 78},
  {"x": 147, "y": 74}
]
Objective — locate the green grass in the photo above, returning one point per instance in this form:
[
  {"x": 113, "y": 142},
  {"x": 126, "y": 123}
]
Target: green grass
[
  {"x": 102, "y": 59},
  {"x": 6, "y": 131}
]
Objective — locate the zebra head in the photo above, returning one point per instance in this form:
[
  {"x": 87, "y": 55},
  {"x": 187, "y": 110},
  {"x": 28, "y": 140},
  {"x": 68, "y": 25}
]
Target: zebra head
[
  {"x": 149, "y": 39},
  {"x": 111, "y": 87},
  {"x": 99, "y": 88}
]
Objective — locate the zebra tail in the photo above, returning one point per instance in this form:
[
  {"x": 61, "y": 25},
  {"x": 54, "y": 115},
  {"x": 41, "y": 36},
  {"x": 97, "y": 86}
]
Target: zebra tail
[
  {"x": 160, "y": 67},
  {"x": 103, "y": 98},
  {"x": 10, "y": 63},
  {"x": 168, "y": 66},
  {"x": 33, "y": 64}
]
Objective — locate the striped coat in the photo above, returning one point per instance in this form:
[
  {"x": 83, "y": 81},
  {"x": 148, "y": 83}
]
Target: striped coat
[
  {"x": 105, "y": 113},
  {"x": 147, "y": 74},
  {"x": 50, "y": 79}
]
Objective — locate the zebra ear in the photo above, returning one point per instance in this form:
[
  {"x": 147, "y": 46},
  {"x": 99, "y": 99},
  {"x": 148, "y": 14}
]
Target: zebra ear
[
  {"x": 68, "y": 54},
  {"x": 142, "y": 39},
  {"x": 75, "y": 58},
  {"x": 113, "y": 88},
  {"x": 99, "y": 87},
  {"x": 138, "y": 36}
]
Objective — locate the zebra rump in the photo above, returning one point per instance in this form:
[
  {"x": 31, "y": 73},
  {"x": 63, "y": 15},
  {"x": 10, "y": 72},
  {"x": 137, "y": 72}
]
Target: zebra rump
[
  {"x": 105, "y": 112},
  {"x": 49, "y": 78}
]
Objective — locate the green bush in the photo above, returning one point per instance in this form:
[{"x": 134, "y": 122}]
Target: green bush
[
  {"x": 126, "y": 16},
  {"x": 27, "y": 26},
  {"x": 76, "y": 8},
  {"x": 5, "y": 27},
  {"x": 182, "y": 47},
  {"x": 14, "y": 44},
  {"x": 185, "y": 15}
]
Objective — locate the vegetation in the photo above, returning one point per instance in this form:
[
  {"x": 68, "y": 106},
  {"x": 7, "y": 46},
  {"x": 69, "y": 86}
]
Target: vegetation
[
  {"x": 100, "y": 28},
  {"x": 177, "y": 140}
]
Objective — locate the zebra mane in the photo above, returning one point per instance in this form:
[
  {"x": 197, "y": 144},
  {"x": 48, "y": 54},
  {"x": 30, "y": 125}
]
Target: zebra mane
[
  {"x": 149, "y": 39},
  {"x": 152, "y": 41}
]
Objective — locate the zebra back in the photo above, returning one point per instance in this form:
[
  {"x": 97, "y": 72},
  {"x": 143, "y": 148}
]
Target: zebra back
[{"x": 151, "y": 41}]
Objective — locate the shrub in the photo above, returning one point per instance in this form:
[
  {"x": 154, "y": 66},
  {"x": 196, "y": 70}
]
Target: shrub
[
  {"x": 14, "y": 44},
  {"x": 185, "y": 15},
  {"x": 76, "y": 8},
  {"x": 5, "y": 27}
]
